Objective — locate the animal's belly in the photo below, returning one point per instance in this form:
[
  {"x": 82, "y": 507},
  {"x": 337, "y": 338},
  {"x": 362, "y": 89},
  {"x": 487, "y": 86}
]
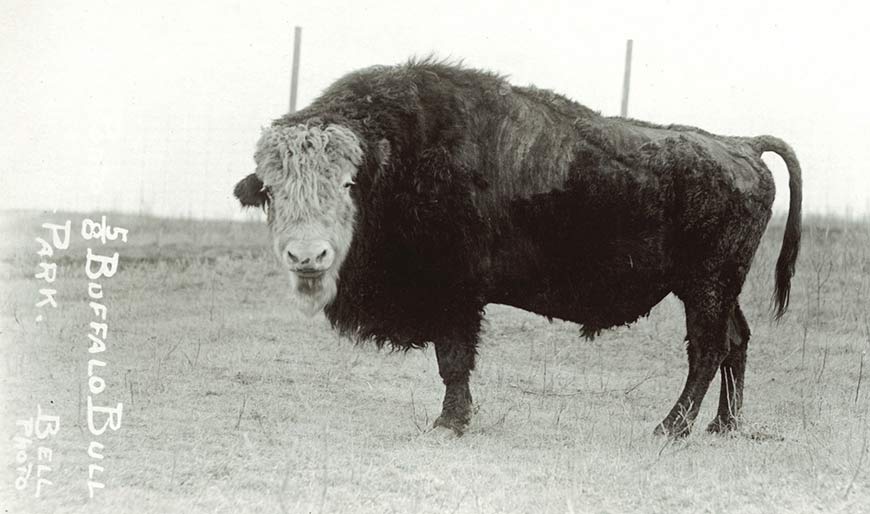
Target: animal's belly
[
  {"x": 598, "y": 270},
  {"x": 597, "y": 297}
]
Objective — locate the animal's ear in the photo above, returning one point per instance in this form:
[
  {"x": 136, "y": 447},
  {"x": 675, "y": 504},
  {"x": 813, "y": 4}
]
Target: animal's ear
[{"x": 250, "y": 191}]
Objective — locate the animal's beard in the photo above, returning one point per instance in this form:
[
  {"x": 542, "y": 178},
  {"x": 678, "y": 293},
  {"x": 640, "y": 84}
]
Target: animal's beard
[{"x": 311, "y": 295}]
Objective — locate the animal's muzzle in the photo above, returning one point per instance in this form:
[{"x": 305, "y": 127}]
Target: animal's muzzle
[{"x": 309, "y": 258}]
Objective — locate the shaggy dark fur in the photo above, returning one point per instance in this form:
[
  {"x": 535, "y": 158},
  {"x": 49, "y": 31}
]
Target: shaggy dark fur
[{"x": 476, "y": 191}]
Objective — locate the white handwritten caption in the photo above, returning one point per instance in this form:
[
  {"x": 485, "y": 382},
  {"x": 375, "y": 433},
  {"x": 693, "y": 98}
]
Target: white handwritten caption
[
  {"x": 99, "y": 267},
  {"x": 43, "y": 426},
  {"x": 48, "y": 270},
  {"x": 100, "y": 418}
]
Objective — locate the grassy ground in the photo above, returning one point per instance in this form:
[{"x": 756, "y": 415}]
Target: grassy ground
[{"x": 234, "y": 403}]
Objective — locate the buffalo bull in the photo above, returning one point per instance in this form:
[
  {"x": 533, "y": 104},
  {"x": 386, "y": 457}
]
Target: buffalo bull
[{"x": 406, "y": 198}]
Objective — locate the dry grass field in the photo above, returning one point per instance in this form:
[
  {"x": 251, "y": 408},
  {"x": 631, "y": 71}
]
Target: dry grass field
[{"x": 233, "y": 403}]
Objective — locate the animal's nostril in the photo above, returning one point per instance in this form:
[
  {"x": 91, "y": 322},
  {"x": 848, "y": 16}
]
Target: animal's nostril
[{"x": 308, "y": 254}]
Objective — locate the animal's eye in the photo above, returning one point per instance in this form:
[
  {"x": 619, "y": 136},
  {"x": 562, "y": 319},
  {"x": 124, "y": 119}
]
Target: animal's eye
[{"x": 349, "y": 184}]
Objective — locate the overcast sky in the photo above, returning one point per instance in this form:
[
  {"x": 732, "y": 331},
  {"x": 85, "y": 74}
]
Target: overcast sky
[{"x": 157, "y": 105}]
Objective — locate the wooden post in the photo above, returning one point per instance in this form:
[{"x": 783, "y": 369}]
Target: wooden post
[
  {"x": 626, "y": 81},
  {"x": 294, "y": 77}
]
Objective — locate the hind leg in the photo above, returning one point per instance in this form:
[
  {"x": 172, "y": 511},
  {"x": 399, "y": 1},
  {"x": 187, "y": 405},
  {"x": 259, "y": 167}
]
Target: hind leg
[
  {"x": 707, "y": 314},
  {"x": 732, "y": 371}
]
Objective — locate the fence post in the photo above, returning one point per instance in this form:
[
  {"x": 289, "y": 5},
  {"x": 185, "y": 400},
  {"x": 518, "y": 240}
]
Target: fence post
[
  {"x": 294, "y": 77},
  {"x": 626, "y": 80}
]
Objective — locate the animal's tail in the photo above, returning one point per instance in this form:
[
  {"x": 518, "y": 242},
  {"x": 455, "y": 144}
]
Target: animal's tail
[{"x": 791, "y": 240}]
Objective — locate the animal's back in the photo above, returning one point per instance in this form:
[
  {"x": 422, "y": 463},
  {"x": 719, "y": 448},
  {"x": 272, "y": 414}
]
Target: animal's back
[{"x": 520, "y": 139}]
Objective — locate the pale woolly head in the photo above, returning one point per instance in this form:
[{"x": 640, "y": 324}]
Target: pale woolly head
[{"x": 306, "y": 174}]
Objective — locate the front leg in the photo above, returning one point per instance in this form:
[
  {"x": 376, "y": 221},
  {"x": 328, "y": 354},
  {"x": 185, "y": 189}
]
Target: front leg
[{"x": 455, "y": 362}]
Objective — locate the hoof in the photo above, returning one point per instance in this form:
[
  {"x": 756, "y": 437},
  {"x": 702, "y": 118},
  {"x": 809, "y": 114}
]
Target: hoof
[
  {"x": 675, "y": 429},
  {"x": 441, "y": 433},
  {"x": 722, "y": 426},
  {"x": 448, "y": 427}
]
